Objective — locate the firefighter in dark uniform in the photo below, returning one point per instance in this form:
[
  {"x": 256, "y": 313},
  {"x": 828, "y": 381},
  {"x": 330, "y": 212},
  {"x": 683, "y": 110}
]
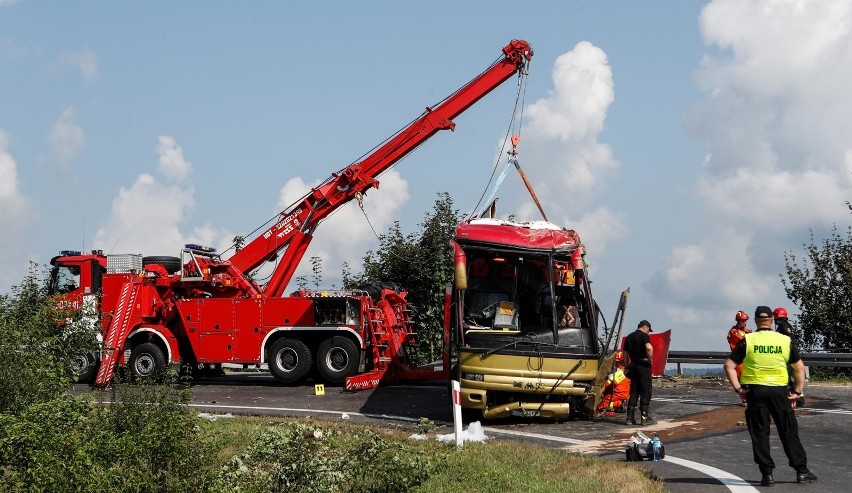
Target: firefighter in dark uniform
[
  {"x": 765, "y": 355},
  {"x": 640, "y": 354},
  {"x": 782, "y": 324}
]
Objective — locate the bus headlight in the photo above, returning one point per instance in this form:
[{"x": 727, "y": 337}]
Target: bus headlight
[{"x": 473, "y": 376}]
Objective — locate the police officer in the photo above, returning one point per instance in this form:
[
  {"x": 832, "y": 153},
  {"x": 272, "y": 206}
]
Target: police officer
[
  {"x": 640, "y": 354},
  {"x": 765, "y": 355}
]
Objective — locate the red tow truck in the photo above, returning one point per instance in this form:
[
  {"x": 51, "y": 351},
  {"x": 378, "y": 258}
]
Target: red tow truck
[{"x": 202, "y": 310}]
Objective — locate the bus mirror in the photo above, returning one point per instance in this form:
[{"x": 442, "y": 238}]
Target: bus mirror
[
  {"x": 459, "y": 266},
  {"x": 460, "y": 277}
]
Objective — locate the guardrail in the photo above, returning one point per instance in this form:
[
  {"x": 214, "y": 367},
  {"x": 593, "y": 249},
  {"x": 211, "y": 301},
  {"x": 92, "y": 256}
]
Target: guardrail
[{"x": 832, "y": 360}]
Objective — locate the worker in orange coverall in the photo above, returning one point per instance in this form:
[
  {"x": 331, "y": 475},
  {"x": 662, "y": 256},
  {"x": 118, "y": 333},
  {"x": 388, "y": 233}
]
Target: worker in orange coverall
[
  {"x": 617, "y": 388},
  {"x": 735, "y": 335}
]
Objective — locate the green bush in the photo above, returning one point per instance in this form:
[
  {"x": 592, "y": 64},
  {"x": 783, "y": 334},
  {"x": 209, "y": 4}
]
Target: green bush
[
  {"x": 307, "y": 458},
  {"x": 39, "y": 340},
  {"x": 149, "y": 441}
]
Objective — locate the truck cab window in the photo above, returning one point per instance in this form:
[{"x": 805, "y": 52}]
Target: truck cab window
[{"x": 65, "y": 279}]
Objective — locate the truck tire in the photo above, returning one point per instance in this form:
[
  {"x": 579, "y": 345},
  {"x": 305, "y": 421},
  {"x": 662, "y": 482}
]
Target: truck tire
[
  {"x": 171, "y": 264},
  {"x": 146, "y": 361},
  {"x": 337, "y": 358},
  {"x": 83, "y": 367},
  {"x": 290, "y": 360}
]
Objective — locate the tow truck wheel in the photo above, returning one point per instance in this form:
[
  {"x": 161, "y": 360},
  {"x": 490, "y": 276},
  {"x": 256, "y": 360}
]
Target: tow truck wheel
[
  {"x": 337, "y": 358},
  {"x": 290, "y": 360},
  {"x": 83, "y": 367},
  {"x": 146, "y": 361}
]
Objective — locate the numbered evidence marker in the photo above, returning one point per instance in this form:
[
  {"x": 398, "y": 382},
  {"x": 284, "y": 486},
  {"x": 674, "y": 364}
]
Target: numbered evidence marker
[{"x": 319, "y": 389}]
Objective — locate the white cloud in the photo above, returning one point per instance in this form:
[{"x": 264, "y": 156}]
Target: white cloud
[
  {"x": 83, "y": 60},
  {"x": 718, "y": 269},
  {"x": 14, "y": 219},
  {"x": 11, "y": 199},
  {"x": 576, "y": 107},
  {"x": 346, "y": 235},
  {"x": 172, "y": 163},
  {"x": 777, "y": 123},
  {"x": 598, "y": 228},
  {"x": 66, "y": 139},
  {"x": 560, "y": 140},
  {"x": 804, "y": 199},
  {"x": 146, "y": 218},
  {"x": 560, "y": 151}
]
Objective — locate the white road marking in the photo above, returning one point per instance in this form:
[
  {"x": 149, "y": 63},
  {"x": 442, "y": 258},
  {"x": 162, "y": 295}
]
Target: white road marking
[
  {"x": 308, "y": 411},
  {"x": 734, "y": 483},
  {"x": 533, "y": 435}
]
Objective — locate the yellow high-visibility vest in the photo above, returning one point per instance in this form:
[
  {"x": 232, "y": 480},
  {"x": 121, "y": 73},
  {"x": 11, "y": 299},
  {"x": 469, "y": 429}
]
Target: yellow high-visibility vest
[{"x": 766, "y": 359}]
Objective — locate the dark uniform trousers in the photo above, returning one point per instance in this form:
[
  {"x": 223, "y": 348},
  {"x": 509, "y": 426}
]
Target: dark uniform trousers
[
  {"x": 764, "y": 401},
  {"x": 640, "y": 387}
]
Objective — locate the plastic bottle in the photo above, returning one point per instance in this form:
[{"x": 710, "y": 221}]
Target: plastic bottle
[{"x": 656, "y": 445}]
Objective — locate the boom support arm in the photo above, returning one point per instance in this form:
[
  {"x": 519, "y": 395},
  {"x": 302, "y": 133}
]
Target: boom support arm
[{"x": 294, "y": 227}]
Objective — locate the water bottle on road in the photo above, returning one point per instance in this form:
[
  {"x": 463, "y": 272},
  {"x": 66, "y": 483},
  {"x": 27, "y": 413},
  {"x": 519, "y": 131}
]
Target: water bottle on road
[{"x": 655, "y": 446}]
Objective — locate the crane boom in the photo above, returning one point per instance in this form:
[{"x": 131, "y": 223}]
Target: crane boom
[{"x": 293, "y": 228}]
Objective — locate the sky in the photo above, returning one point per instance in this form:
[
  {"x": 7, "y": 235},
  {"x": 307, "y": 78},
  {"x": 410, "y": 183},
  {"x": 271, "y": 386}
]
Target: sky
[{"x": 691, "y": 144}]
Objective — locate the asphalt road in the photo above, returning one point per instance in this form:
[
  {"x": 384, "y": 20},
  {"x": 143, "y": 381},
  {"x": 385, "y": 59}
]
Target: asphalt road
[{"x": 707, "y": 446}]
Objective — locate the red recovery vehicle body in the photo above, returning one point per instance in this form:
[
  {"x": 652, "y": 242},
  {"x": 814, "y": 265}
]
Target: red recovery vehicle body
[{"x": 202, "y": 310}]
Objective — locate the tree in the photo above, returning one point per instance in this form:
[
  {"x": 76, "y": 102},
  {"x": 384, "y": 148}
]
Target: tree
[
  {"x": 822, "y": 289},
  {"x": 302, "y": 282},
  {"x": 435, "y": 271},
  {"x": 420, "y": 263},
  {"x": 316, "y": 268},
  {"x": 38, "y": 344}
]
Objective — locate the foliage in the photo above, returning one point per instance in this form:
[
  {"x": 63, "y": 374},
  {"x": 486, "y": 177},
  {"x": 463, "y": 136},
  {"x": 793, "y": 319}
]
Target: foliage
[
  {"x": 239, "y": 242},
  {"x": 145, "y": 441},
  {"x": 150, "y": 435},
  {"x": 39, "y": 341},
  {"x": 425, "y": 425},
  {"x": 511, "y": 466},
  {"x": 821, "y": 286},
  {"x": 302, "y": 282},
  {"x": 309, "y": 458},
  {"x": 50, "y": 441},
  {"x": 421, "y": 264},
  {"x": 316, "y": 270}
]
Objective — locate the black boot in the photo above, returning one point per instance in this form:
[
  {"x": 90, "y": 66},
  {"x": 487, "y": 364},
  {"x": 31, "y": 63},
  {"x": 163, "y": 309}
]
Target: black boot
[
  {"x": 631, "y": 415},
  {"x": 805, "y": 477},
  {"x": 645, "y": 416},
  {"x": 767, "y": 480}
]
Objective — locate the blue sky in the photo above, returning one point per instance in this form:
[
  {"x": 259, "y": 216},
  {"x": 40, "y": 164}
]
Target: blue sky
[{"x": 689, "y": 143}]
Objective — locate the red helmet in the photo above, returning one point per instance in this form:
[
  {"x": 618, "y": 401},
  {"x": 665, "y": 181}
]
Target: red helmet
[
  {"x": 780, "y": 312},
  {"x": 741, "y": 316}
]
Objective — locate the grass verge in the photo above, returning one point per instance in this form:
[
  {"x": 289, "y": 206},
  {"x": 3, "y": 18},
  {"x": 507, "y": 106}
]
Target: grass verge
[{"x": 493, "y": 466}]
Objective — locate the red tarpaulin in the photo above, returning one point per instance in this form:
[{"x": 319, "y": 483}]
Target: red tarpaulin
[{"x": 660, "y": 341}]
